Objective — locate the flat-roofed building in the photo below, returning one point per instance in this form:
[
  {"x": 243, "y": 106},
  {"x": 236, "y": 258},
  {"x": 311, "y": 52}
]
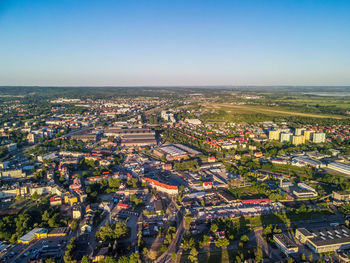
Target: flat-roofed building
[
  {"x": 339, "y": 167},
  {"x": 308, "y": 135},
  {"x": 341, "y": 196},
  {"x": 299, "y": 131},
  {"x": 324, "y": 239},
  {"x": 286, "y": 137},
  {"x": 285, "y": 244},
  {"x": 319, "y": 137},
  {"x": 175, "y": 152},
  {"x": 58, "y": 232},
  {"x": 274, "y": 135},
  {"x": 33, "y": 234},
  {"x": 298, "y": 139}
]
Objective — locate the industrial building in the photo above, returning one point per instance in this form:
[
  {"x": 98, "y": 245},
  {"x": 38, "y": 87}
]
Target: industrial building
[
  {"x": 339, "y": 167},
  {"x": 175, "y": 152},
  {"x": 285, "y": 244},
  {"x": 326, "y": 239},
  {"x": 341, "y": 196}
]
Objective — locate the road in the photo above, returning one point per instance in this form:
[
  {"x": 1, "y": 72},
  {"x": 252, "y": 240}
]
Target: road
[{"x": 166, "y": 256}]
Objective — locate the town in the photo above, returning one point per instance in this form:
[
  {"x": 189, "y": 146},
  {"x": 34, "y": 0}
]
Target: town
[{"x": 172, "y": 176}]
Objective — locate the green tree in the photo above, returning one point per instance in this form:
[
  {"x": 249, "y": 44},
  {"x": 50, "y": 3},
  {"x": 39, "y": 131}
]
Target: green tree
[
  {"x": 188, "y": 221},
  {"x": 193, "y": 256},
  {"x": 214, "y": 227},
  {"x": 245, "y": 238},
  {"x": 35, "y": 196},
  {"x": 85, "y": 259},
  {"x": 188, "y": 244},
  {"x": 223, "y": 242}
]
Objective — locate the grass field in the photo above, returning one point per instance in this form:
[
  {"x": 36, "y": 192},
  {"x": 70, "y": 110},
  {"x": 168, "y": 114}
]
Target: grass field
[
  {"x": 210, "y": 257},
  {"x": 272, "y": 111}
]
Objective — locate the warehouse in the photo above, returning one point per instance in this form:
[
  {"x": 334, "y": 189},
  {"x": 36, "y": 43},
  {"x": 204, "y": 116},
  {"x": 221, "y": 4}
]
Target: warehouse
[
  {"x": 285, "y": 244},
  {"x": 340, "y": 167},
  {"x": 325, "y": 239}
]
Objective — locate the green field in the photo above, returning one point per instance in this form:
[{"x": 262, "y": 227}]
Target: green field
[{"x": 270, "y": 111}]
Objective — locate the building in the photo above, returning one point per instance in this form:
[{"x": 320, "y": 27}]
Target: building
[
  {"x": 307, "y": 161},
  {"x": 284, "y": 243},
  {"x": 86, "y": 137},
  {"x": 284, "y": 183},
  {"x": 325, "y": 239},
  {"x": 33, "y": 234},
  {"x": 299, "y": 131},
  {"x": 286, "y": 137},
  {"x": 55, "y": 200},
  {"x": 70, "y": 199},
  {"x": 76, "y": 212},
  {"x": 298, "y": 139},
  {"x": 274, "y": 135},
  {"x": 304, "y": 191},
  {"x": 339, "y": 167},
  {"x": 166, "y": 188},
  {"x": 12, "y": 147},
  {"x": 31, "y": 138},
  {"x": 341, "y": 196},
  {"x": 58, "y": 232},
  {"x": 15, "y": 174},
  {"x": 319, "y": 137},
  {"x": 308, "y": 135},
  {"x": 176, "y": 151},
  {"x": 193, "y": 121}
]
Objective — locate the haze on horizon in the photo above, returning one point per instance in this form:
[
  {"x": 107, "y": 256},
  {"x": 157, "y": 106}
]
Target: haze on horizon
[{"x": 183, "y": 42}]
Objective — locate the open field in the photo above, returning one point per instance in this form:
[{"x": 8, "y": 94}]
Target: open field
[
  {"x": 210, "y": 257},
  {"x": 253, "y": 109}
]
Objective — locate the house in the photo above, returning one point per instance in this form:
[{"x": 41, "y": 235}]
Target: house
[
  {"x": 76, "y": 212},
  {"x": 70, "y": 199},
  {"x": 158, "y": 206},
  {"x": 55, "y": 200}
]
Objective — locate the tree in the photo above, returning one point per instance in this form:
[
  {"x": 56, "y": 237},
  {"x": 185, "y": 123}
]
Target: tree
[
  {"x": 109, "y": 259},
  {"x": 173, "y": 256},
  {"x": 213, "y": 228},
  {"x": 85, "y": 259},
  {"x": 188, "y": 221},
  {"x": 120, "y": 229},
  {"x": 244, "y": 238},
  {"x": 145, "y": 252},
  {"x": 114, "y": 183},
  {"x": 74, "y": 225},
  {"x": 50, "y": 260},
  {"x": 222, "y": 242},
  {"x": 193, "y": 256},
  {"x": 188, "y": 244},
  {"x": 35, "y": 196},
  {"x": 259, "y": 254},
  {"x": 311, "y": 257}
]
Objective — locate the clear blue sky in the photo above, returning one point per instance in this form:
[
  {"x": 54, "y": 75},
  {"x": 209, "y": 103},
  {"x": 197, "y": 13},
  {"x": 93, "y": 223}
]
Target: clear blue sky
[{"x": 174, "y": 42}]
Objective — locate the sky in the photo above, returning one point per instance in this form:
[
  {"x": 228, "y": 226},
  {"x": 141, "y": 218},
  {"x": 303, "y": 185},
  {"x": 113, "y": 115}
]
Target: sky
[{"x": 174, "y": 42}]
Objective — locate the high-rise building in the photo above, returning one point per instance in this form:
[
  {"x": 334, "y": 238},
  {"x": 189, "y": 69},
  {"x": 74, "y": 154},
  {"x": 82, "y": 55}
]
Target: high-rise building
[
  {"x": 274, "y": 135},
  {"x": 299, "y": 131},
  {"x": 308, "y": 135},
  {"x": 286, "y": 137},
  {"x": 319, "y": 137},
  {"x": 298, "y": 139}
]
